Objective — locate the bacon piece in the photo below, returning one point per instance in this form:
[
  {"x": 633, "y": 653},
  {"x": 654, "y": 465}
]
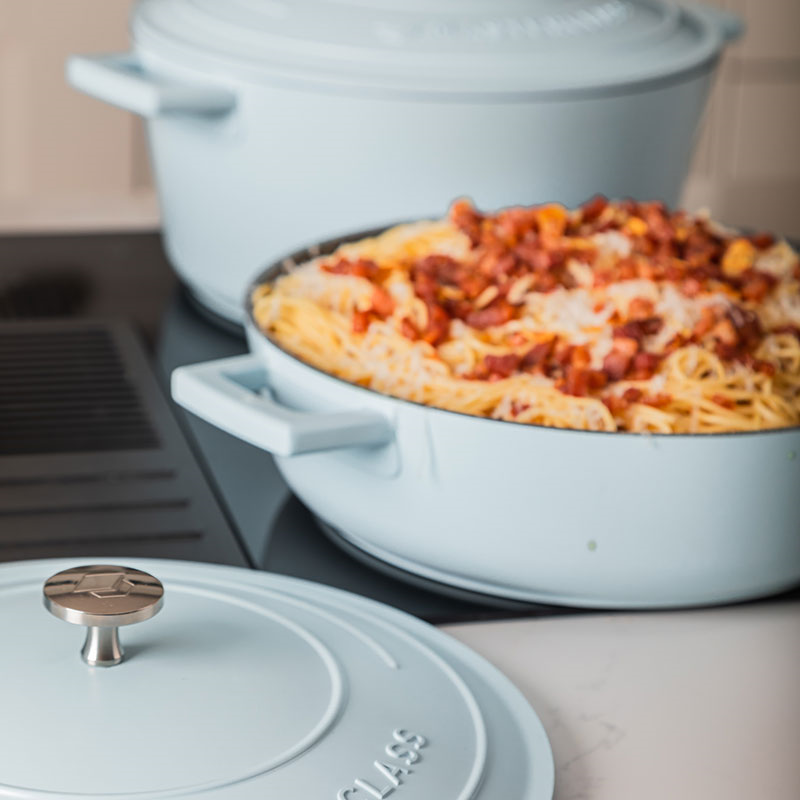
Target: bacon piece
[
  {"x": 723, "y": 401},
  {"x": 627, "y": 269},
  {"x": 638, "y": 329},
  {"x": 738, "y": 334},
  {"x": 408, "y": 329},
  {"x": 502, "y": 366},
  {"x": 597, "y": 379},
  {"x": 443, "y": 268},
  {"x": 619, "y": 403},
  {"x": 425, "y": 286},
  {"x": 676, "y": 270},
  {"x": 544, "y": 282},
  {"x": 659, "y": 226},
  {"x": 676, "y": 342},
  {"x": 361, "y": 268},
  {"x": 727, "y": 352},
  {"x": 643, "y": 366},
  {"x": 438, "y": 327},
  {"x": 657, "y": 400},
  {"x": 627, "y": 346},
  {"x": 706, "y": 322},
  {"x": 562, "y": 354},
  {"x": 691, "y": 287},
  {"x": 705, "y": 273},
  {"x": 473, "y": 284},
  {"x": 602, "y": 278},
  {"x": 464, "y": 216},
  {"x": 616, "y": 364},
  {"x": 649, "y": 269},
  {"x": 361, "y": 320},
  {"x": 725, "y": 332},
  {"x": 640, "y": 308},
  {"x": 593, "y": 208},
  {"x": 496, "y": 263},
  {"x": 537, "y": 355},
  {"x": 762, "y": 240},
  {"x": 701, "y": 248},
  {"x": 532, "y": 254},
  {"x": 758, "y": 364},
  {"x": 756, "y": 285},
  {"x": 748, "y": 326},
  {"x": 515, "y": 222},
  {"x": 575, "y": 382},
  {"x": 615, "y": 404},
  {"x": 580, "y": 357},
  {"x": 578, "y": 381},
  {"x": 497, "y": 313},
  {"x": 382, "y": 302},
  {"x": 457, "y": 309}
]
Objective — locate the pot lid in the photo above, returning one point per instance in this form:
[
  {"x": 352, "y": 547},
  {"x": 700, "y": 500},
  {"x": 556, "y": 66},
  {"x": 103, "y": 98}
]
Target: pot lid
[
  {"x": 442, "y": 46},
  {"x": 246, "y": 685}
]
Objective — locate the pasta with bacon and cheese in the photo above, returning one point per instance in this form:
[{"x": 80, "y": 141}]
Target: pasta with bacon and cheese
[{"x": 612, "y": 316}]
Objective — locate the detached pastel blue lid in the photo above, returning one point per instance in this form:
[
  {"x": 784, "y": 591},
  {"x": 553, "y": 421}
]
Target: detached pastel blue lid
[
  {"x": 245, "y": 685},
  {"x": 476, "y": 47}
]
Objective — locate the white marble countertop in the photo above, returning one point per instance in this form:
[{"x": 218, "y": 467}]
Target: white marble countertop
[{"x": 679, "y": 705}]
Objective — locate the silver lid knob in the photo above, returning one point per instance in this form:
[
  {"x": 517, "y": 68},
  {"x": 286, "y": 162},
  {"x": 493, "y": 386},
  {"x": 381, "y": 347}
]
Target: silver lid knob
[{"x": 103, "y": 598}]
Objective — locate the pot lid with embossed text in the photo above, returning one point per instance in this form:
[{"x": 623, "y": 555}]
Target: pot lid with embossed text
[
  {"x": 478, "y": 48},
  {"x": 240, "y": 684}
]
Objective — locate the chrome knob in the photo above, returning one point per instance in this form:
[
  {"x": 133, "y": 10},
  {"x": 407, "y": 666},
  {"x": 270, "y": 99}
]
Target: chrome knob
[{"x": 103, "y": 598}]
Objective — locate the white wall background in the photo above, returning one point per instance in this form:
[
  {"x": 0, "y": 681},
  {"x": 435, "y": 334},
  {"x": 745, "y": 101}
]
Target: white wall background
[{"x": 68, "y": 162}]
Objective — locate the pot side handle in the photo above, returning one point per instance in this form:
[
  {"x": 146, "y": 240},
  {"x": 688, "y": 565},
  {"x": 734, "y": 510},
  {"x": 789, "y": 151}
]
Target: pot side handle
[
  {"x": 233, "y": 394},
  {"x": 122, "y": 81}
]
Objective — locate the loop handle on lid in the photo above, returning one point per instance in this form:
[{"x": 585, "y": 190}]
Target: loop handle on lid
[{"x": 103, "y": 598}]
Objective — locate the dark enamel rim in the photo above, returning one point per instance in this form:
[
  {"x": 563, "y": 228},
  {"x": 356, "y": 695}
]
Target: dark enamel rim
[{"x": 285, "y": 265}]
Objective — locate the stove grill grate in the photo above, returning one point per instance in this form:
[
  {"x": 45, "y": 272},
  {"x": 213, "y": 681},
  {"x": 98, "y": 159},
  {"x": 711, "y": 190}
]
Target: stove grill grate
[
  {"x": 92, "y": 460},
  {"x": 68, "y": 392}
]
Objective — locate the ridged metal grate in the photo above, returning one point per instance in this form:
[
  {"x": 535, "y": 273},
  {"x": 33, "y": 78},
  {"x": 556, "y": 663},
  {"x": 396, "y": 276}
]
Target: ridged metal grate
[
  {"x": 67, "y": 391},
  {"x": 92, "y": 461}
]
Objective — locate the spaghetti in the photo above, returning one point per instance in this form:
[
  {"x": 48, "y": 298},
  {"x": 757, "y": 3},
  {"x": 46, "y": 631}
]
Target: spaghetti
[{"x": 611, "y": 316}]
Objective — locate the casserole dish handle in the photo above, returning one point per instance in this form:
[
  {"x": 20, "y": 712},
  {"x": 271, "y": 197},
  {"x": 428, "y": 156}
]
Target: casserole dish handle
[
  {"x": 233, "y": 394},
  {"x": 121, "y": 80}
]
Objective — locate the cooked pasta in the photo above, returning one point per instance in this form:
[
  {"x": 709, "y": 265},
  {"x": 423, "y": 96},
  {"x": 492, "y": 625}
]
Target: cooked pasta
[{"x": 612, "y": 316}]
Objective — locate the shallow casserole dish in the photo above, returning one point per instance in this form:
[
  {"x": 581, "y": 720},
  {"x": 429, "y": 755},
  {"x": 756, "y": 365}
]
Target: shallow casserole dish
[{"x": 533, "y": 513}]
